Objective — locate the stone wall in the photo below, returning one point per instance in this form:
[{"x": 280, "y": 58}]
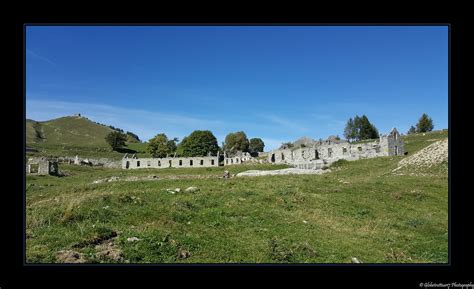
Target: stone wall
[
  {"x": 101, "y": 162},
  {"x": 177, "y": 162},
  {"x": 327, "y": 152},
  {"x": 42, "y": 166}
]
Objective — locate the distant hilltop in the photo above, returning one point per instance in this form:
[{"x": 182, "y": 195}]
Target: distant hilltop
[{"x": 74, "y": 130}]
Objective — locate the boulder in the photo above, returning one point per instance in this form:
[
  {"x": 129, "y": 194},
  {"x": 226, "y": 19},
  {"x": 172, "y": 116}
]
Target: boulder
[{"x": 191, "y": 190}]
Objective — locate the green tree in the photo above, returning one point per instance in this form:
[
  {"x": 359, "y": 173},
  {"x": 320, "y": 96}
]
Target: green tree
[
  {"x": 357, "y": 127},
  {"x": 159, "y": 146},
  {"x": 412, "y": 130},
  {"x": 366, "y": 129},
  {"x": 236, "y": 141},
  {"x": 116, "y": 139},
  {"x": 425, "y": 123},
  {"x": 172, "y": 144},
  {"x": 350, "y": 130},
  {"x": 198, "y": 143},
  {"x": 256, "y": 145}
]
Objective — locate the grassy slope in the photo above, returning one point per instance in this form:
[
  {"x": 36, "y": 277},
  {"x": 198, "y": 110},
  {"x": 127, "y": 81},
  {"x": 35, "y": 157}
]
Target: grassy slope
[
  {"x": 358, "y": 210},
  {"x": 70, "y": 136}
]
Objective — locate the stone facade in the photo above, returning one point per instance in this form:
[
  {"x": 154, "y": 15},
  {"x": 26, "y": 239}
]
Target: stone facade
[
  {"x": 322, "y": 153},
  {"x": 237, "y": 159},
  {"x": 170, "y": 162},
  {"x": 42, "y": 166}
]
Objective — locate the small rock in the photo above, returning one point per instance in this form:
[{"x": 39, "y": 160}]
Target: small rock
[
  {"x": 191, "y": 189},
  {"x": 113, "y": 179},
  {"x": 355, "y": 260},
  {"x": 133, "y": 239},
  {"x": 183, "y": 254},
  {"x": 177, "y": 190},
  {"x": 106, "y": 207},
  {"x": 226, "y": 175},
  {"x": 304, "y": 221}
]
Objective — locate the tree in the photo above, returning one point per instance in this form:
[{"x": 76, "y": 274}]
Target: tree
[
  {"x": 357, "y": 126},
  {"x": 350, "y": 130},
  {"x": 256, "y": 145},
  {"x": 412, "y": 130},
  {"x": 160, "y": 146},
  {"x": 199, "y": 143},
  {"x": 360, "y": 129},
  {"x": 116, "y": 139},
  {"x": 172, "y": 144},
  {"x": 236, "y": 141},
  {"x": 424, "y": 124}
]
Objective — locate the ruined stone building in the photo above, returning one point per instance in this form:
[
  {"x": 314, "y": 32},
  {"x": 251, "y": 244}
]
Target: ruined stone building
[
  {"x": 310, "y": 157},
  {"x": 41, "y": 166},
  {"x": 132, "y": 162},
  {"x": 327, "y": 152}
]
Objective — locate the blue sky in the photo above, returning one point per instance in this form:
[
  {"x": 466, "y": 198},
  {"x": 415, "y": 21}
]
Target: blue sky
[{"x": 274, "y": 82}]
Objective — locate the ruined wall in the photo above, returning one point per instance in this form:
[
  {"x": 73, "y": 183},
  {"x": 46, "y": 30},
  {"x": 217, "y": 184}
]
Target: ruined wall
[
  {"x": 233, "y": 161},
  {"x": 327, "y": 152},
  {"x": 42, "y": 166},
  {"x": 162, "y": 163}
]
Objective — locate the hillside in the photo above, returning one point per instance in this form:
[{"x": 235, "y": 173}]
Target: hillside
[
  {"x": 72, "y": 135},
  {"x": 68, "y": 130}
]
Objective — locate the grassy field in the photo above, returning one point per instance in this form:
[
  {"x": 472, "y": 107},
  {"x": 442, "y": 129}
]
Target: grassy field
[{"x": 359, "y": 209}]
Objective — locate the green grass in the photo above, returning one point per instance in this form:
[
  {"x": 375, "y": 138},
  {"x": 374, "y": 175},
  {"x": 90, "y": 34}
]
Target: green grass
[
  {"x": 359, "y": 210},
  {"x": 415, "y": 142}
]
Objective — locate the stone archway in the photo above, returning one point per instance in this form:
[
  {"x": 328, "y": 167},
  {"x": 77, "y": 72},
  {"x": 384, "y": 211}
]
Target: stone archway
[{"x": 272, "y": 158}]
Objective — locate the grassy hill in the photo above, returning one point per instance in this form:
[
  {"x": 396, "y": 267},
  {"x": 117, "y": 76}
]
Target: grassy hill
[
  {"x": 70, "y": 136},
  {"x": 68, "y": 130},
  {"x": 359, "y": 209}
]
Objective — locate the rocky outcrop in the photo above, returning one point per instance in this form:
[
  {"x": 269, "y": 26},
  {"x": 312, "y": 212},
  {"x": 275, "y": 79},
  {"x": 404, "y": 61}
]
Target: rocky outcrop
[{"x": 290, "y": 171}]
